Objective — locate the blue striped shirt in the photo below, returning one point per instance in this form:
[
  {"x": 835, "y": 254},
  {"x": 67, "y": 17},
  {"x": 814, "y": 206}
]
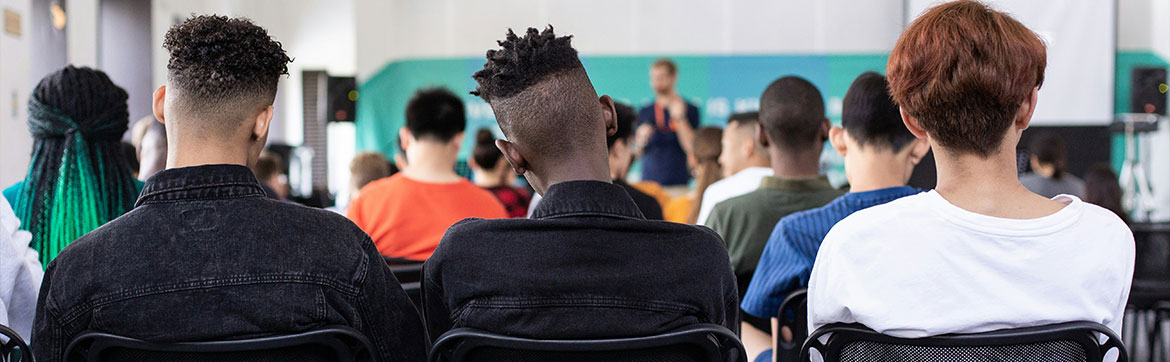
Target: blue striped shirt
[{"x": 788, "y": 256}]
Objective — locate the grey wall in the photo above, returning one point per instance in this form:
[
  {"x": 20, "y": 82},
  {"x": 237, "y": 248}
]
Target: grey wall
[
  {"x": 125, "y": 51},
  {"x": 48, "y": 43}
]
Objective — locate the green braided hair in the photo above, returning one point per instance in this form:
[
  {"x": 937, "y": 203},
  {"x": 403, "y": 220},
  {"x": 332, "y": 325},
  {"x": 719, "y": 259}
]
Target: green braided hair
[{"x": 78, "y": 178}]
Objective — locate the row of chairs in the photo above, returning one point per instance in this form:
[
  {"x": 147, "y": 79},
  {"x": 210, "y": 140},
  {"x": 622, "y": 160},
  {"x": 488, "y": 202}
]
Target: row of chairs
[{"x": 1076, "y": 341}]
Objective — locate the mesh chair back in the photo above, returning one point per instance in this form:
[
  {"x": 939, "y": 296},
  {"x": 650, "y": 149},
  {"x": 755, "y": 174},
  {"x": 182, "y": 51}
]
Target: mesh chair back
[
  {"x": 1064, "y": 342},
  {"x": 793, "y": 314},
  {"x": 698, "y": 343},
  {"x": 332, "y": 344},
  {"x": 13, "y": 349}
]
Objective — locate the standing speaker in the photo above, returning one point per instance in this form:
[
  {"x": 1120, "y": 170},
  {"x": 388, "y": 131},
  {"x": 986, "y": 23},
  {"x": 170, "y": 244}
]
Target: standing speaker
[
  {"x": 342, "y": 98},
  {"x": 1147, "y": 90}
]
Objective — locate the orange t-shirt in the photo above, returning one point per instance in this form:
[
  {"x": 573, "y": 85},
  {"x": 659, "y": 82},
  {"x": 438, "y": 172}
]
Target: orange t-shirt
[{"x": 407, "y": 218}]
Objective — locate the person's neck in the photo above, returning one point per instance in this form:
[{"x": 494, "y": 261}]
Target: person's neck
[
  {"x": 802, "y": 164},
  {"x": 431, "y": 162},
  {"x": 988, "y": 186},
  {"x": 187, "y": 154},
  {"x": 574, "y": 168},
  {"x": 663, "y": 99},
  {"x": 876, "y": 170},
  {"x": 487, "y": 179}
]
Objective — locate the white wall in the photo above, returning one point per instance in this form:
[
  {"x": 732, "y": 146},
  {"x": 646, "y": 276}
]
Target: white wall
[
  {"x": 1144, "y": 25},
  {"x": 396, "y": 29},
  {"x": 81, "y": 32},
  {"x": 15, "y": 86}
]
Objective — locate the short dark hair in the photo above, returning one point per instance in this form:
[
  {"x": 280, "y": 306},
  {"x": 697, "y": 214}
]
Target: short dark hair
[
  {"x": 1049, "y": 149},
  {"x": 540, "y": 93},
  {"x": 665, "y": 63},
  {"x": 871, "y": 117},
  {"x": 792, "y": 112},
  {"x": 963, "y": 69},
  {"x": 435, "y": 114},
  {"x": 626, "y": 117},
  {"x": 224, "y": 68},
  {"x": 267, "y": 166},
  {"x": 744, "y": 118}
]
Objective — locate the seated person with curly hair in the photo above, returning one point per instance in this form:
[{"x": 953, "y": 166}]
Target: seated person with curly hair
[
  {"x": 587, "y": 264},
  {"x": 205, "y": 255}
]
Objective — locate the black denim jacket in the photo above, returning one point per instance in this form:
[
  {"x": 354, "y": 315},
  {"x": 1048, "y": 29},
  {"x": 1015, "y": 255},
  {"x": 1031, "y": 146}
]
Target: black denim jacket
[
  {"x": 205, "y": 256},
  {"x": 587, "y": 265}
]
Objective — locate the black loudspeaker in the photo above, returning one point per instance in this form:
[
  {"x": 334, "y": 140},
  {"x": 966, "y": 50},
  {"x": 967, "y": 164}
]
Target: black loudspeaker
[
  {"x": 1147, "y": 90},
  {"x": 342, "y": 98}
]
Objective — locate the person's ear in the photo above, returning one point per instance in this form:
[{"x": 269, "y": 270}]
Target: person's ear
[
  {"x": 912, "y": 124},
  {"x": 761, "y": 135},
  {"x": 405, "y": 138},
  {"x": 160, "y": 99},
  {"x": 609, "y": 112},
  {"x": 825, "y": 126},
  {"x": 457, "y": 141},
  {"x": 263, "y": 121},
  {"x": 519, "y": 164},
  {"x": 837, "y": 140},
  {"x": 1027, "y": 108},
  {"x": 918, "y": 149}
]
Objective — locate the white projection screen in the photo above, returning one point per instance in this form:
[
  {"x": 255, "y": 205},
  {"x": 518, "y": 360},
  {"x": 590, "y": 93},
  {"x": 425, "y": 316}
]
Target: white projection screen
[{"x": 1081, "y": 37}]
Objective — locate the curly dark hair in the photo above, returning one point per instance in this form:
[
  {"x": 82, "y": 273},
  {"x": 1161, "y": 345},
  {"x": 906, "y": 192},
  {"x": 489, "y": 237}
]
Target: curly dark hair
[
  {"x": 522, "y": 62},
  {"x": 215, "y": 58}
]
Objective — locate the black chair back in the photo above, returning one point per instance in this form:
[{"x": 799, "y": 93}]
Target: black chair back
[
  {"x": 697, "y": 343},
  {"x": 793, "y": 314},
  {"x": 14, "y": 349},
  {"x": 407, "y": 273},
  {"x": 332, "y": 344},
  {"x": 1064, "y": 342}
]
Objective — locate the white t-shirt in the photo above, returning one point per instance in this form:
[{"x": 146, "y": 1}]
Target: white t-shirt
[
  {"x": 742, "y": 182},
  {"x": 920, "y": 266},
  {"x": 20, "y": 274}
]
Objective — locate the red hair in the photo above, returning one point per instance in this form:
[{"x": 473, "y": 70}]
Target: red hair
[{"x": 963, "y": 69}]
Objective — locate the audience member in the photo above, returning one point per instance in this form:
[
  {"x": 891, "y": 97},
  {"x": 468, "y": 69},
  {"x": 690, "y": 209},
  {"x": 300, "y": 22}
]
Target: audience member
[
  {"x": 793, "y": 129},
  {"x": 493, "y": 174},
  {"x": 567, "y": 273},
  {"x": 744, "y": 161},
  {"x": 272, "y": 179},
  {"x": 666, "y": 129},
  {"x": 130, "y": 155},
  {"x": 78, "y": 178},
  {"x": 1102, "y": 189},
  {"x": 704, "y": 162},
  {"x": 364, "y": 168},
  {"x": 980, "y": 252},
  {"x": 204, "y": 255},
  {"x": 406, "y": 214},
  {"x": 1049, "y": 178},
  {"x": 880, "y": 154},
  {"x": 149, "y": 137},
  {"x": 20, "y": 274},
  {"x": 620, "y": 158}
]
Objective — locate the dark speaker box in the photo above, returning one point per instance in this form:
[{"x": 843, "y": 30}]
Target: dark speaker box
[
  {"x": 1147, "y": 90},
  {"x": 342, "y": 99}
]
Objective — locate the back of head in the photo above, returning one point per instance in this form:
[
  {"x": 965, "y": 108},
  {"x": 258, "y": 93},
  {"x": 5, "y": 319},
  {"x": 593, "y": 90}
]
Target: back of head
[
  {"x": 1049, "y": 150},
  {"x": 268, "y": 166},
  {"x": 742, "y": 119},
  {"x": 222, "y": 71},
  {"x": 435, "y": 114},
  {"x": 792, "y": 113},
  {"x": 963, "y": 70},
  {"x": 1102, "y": 189},
  {"x": 706, "y": 150},
  {"x": 78, "y": 178},
  {"x": 871, "y": 117},
  {"x": 485, "y": 154},
  {"x": 626, "y": 117},
  {"x": 542, "y": 98},
  {"x": 367, "y": 167}
]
